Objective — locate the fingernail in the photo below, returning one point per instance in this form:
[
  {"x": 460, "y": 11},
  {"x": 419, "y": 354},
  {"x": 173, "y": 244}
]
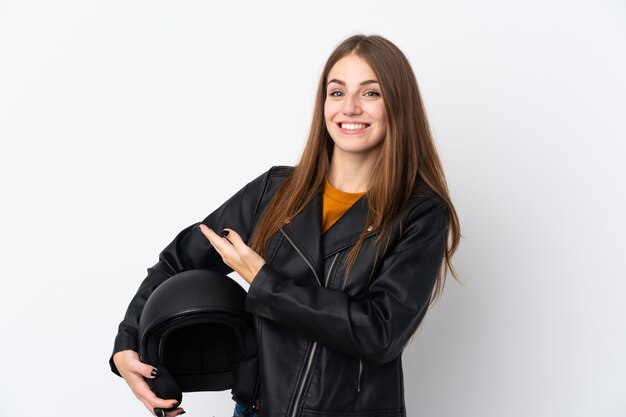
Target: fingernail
[
  {"x": 224, "y": 232},
  {"x": 159, "y": 412},
  {"x": 176, "y": 404},
  {"x": 154, "y": 373},
  {"x": 181, "y": 413}
]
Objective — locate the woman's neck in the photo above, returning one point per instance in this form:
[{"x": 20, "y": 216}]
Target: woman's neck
[{"x": 350, "y": 174}]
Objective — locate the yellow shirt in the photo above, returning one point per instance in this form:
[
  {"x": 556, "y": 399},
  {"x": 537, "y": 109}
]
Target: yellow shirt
[{"x": 335, "y": 204}]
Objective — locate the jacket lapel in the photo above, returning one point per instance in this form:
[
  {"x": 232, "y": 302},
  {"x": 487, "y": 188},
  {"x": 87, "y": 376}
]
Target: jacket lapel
[
  {"x": 345, "y": 231},
  {"x": 305, "y": 231}
]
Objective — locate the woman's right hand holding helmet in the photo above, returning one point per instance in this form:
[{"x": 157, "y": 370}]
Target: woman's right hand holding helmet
[{"x": 134, "y": 371}]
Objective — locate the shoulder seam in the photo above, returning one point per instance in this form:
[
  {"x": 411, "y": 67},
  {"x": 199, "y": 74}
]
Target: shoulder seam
[
  {"x": 280, "y": 170},
  {"x": 427, "y": 203}
]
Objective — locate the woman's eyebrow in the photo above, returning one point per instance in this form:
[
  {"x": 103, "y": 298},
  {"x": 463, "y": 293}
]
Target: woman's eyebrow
[{"x": 334, "y": 80}]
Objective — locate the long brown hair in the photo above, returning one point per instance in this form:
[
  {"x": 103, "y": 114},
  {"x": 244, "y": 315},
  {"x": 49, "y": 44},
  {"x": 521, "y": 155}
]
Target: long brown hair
[{"x": 407, "y": 164}]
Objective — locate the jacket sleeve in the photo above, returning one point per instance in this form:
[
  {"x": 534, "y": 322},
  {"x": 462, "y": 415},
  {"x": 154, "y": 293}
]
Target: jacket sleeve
[
  {"x": 190, "y": 249},
  {"x": 376, "y": 327}
]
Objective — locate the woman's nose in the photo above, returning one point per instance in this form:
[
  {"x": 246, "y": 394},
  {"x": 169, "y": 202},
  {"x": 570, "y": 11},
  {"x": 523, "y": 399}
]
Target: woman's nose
[{"x": 351, "y": 105}]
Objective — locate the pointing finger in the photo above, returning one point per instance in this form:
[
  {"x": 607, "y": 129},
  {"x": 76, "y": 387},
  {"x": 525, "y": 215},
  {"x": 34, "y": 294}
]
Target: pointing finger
[
  {"x": 213, "y": 237},
  {"x": 205, "y": 230}
]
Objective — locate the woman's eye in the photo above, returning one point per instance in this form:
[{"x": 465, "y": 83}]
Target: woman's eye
[
  {"x": 372, "y": 94},
  {"x": 336, "y": 94}
]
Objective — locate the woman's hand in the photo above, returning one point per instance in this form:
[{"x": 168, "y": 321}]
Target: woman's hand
[
  {"x": 133, "y": 371},
  {"x": 235, "y": 253}
]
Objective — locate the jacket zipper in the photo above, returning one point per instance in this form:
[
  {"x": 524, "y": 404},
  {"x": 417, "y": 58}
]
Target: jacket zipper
[
  {"x": 358, "y": 380},
  {"x": 314, "y": 346}
]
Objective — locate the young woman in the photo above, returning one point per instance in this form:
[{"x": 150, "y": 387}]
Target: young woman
[{"x": 344, "y": 252}]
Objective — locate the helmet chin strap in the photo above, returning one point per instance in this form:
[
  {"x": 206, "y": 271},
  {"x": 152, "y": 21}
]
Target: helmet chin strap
[{"x": 246, "y": 383}]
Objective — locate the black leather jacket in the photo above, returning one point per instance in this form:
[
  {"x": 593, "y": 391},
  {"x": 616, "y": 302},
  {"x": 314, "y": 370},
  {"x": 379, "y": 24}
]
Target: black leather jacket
[{"x": 324, "y": 349}]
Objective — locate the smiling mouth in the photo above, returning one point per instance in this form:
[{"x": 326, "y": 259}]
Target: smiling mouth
[{"x": 353, "y": 126}]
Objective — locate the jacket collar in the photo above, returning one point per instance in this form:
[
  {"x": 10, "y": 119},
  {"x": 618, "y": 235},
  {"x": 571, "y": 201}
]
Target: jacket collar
[{"x": 305, "y": 230}]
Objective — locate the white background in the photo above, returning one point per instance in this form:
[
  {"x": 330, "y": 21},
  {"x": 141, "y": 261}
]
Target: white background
[{"x": 122, "y": 122}]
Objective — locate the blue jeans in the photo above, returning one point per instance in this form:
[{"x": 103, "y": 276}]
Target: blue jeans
[{"x": 239, "y": 410}]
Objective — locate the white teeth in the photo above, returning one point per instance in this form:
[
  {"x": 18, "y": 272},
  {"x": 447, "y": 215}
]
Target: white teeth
[{"x": 353, "y": 126}]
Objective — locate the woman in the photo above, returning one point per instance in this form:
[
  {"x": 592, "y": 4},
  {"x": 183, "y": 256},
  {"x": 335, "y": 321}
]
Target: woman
[{"x": 344, "y": 252}]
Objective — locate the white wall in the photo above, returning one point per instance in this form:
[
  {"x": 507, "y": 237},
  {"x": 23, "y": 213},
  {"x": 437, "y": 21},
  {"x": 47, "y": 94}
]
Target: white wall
[{"x": 121, "y": 122}]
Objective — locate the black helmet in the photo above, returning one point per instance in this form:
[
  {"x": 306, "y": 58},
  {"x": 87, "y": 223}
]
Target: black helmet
[{"x": 194, "y": 328}]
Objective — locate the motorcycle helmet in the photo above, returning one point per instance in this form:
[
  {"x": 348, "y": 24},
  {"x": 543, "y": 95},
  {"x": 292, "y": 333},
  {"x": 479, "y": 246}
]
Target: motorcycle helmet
[{"x": 195, "y": 330}]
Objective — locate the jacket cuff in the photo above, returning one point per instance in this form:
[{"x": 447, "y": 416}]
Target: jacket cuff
[
  {"x": 253, "y": 299},
  {"x": 113, "y": 367},
  {"x": 121, "y": 343}
]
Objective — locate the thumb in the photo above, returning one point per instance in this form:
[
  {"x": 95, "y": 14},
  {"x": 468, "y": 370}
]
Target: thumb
[{"x": 147, "y": 371}]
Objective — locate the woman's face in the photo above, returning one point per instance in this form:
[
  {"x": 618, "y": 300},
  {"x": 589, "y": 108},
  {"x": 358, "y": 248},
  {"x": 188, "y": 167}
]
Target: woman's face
[{"x": 354, "y": 109}]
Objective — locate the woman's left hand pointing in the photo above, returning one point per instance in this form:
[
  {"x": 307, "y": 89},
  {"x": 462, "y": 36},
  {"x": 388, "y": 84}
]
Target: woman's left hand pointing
[{"x": 235, "y": 253}]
